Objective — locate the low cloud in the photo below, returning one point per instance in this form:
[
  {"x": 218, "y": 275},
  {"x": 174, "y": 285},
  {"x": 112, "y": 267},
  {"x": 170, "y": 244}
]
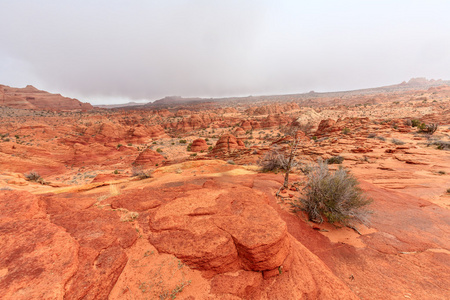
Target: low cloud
[{"x": 99, "y": 51}]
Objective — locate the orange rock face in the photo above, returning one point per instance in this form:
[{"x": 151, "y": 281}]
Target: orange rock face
[
  {"x": 228, "y": 144},
  {"x": 199, "y": 145},
  {"x": 208, "y": 225},
  {"x": 148, "y": 158},
  {"x": 32, "y": 98},
  {"x": 59, "y": 256}
]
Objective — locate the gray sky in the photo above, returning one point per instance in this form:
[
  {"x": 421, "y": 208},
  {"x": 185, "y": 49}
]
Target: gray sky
[{"x": 118, "y": 51}]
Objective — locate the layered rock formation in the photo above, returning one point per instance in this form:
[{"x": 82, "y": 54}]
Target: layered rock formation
[
  {"x": 32, "y": 98},
  {"x": 148, "y": 158},
  {"x": 227, "y": 143},
  {"x": 199, "y": 145}
]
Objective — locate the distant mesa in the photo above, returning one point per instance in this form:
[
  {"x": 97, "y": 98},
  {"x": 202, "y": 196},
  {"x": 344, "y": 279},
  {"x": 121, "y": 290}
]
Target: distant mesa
[
  {"x": 173, "y": 100},
  {"x": 30, "y": 97}
]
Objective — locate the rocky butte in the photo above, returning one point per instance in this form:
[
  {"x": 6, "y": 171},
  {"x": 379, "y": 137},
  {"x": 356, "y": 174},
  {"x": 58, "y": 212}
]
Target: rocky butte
[{"x": 168, "y": 200}]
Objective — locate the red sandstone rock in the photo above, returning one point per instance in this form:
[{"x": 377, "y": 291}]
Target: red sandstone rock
[
  {"x": 274, "y": 121},
  {"x": 199, "y": 145},
  {"x": 38, "y": 257},
  {"x": 228, "y": 144},
  {"x": 273, "y": 109},
  {"x": 148, "y": 158},
  {"x": 361, "y": 150},
  {"x": 32, "y": 98},
  {"x": 239, "y": 132}
]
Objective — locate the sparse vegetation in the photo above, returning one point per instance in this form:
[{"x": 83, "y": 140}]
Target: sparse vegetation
[
  {"x": 428, "y": 128},
  {"x": 441, "y": 145},
  {"x": 34, "y": 176},
  {"x": 273, "y": 160},
  {"x": 425, "y": 128},
  {"x": 334, "y": 196},
  {"x": 335, "y": 160},
  {"x": 137, "y": 171},
  {"x": 398, "y": 142},
  {"x": 346, "y": 130}
]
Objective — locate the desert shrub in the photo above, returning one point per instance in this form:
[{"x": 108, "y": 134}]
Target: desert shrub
[
  {"x": 381, "y": 138},
  {"x": 441, "y": 145},
  {"x": 335, "y": 196},
  {"x": 372, "y": 135},
  {"x": 335, "y": 160},
  {"x": 231, "y": 162},
  {"x": 398, "y": 142},
  {"x": 34, "y": 176},
  {"x": 188, "y": 148},
  {"x": 159, "y": 150},
  {"x": 306, "y": 168},
  {"x": 119, "y": 145},
  {"x": 428, "y": 128},
  {"x": 448, "y": 190},
  {"x": 415, "y": 123},
  {"x": 346, "y": 130},
  {"x": 182, "y": 141},
  {"x": 273, "y": 160},
  {"x": 138, "y": 171},
  {"x": 408, "y": 122}
]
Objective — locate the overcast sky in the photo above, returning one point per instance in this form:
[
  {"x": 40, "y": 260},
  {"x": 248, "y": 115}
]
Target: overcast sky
[{"x": 118, "y": 51}]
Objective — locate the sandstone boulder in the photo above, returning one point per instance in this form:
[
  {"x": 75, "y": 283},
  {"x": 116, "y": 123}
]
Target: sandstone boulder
[
  {"x": 199, "y": 145},
  {"x": 228, "y": 144},
  {"x": 148, "y": 158}
]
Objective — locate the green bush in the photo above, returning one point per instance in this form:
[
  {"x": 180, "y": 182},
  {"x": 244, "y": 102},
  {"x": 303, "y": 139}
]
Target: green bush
[
  {"x": 415, "y": 123},
  {"x": 335, "y": 196},
  {"x": 346, "y": 130},
  {"x": 428, "y": 128}
]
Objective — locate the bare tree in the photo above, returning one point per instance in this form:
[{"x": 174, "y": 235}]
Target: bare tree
[{"x": 283, "y": 157}]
